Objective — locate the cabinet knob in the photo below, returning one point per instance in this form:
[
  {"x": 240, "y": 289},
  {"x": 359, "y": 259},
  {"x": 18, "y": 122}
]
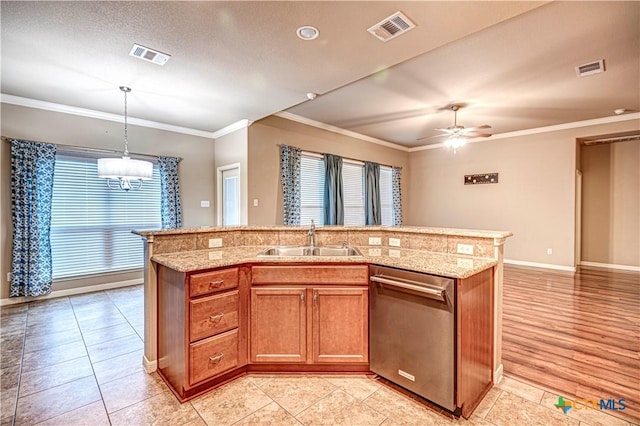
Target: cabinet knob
[
  {"x": 216, "y": 358},
  {"x": 215, "y": 284},
  {"x": 217, "y": 317}
]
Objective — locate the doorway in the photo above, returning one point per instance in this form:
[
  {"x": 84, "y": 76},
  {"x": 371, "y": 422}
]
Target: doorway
[{"x": 229, "y": 195}]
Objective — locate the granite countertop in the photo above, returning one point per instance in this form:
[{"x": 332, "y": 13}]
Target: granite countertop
[
  {"x": 403, "y": 229},
  {"x": 444, "y": 264}
]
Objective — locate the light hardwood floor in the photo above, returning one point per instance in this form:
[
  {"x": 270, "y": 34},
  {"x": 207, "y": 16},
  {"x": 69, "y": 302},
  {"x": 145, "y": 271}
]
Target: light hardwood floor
[{"x": 577, "y": 333}]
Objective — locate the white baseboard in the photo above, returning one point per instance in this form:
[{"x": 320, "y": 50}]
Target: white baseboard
[
  {"x": 498, "y": 374},
  {"x": 149, "y": 366},
  {"x": 540, "y": 265},
  {"x": 611, "y": 266},
  {"x": 71, "y": 291}
]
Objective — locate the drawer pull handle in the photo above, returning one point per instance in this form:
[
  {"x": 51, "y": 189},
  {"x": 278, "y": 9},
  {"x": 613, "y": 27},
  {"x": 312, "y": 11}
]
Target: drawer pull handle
[
  {"x": 217, "y": 317},
  {"x": 216, "y": 359},
  {"x": 216, "y": 284}
]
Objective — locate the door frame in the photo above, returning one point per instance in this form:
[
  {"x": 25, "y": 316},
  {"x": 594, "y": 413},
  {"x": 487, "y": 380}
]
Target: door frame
[{"x": 219, "y": 171}]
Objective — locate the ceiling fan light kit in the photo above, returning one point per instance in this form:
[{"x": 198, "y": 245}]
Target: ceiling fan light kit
[{"x": 458, "y": 134}]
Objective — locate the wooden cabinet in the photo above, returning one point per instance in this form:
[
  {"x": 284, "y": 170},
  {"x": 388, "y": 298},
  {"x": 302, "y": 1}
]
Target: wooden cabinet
[
  {"x": 278, "y": 325},
  {"x": 340, "y": 328},
  {"x": 299, "y": 310},
  {"x": 202, "y": 326},
  {"x": 474, "y": 339}
]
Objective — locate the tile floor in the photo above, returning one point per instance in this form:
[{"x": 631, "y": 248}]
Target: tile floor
[{"x": 77, "y": 361}]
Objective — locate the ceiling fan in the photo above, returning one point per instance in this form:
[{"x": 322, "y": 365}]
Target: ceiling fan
[{"x": 457, "y": 134}]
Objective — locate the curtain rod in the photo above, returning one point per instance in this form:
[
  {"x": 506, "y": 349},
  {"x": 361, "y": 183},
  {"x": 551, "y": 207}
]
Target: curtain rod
[
  {"x": 344, "y": 158},
  {"x": 71, "y": 148}
]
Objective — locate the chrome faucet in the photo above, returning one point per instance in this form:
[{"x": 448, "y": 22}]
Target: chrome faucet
[{"x": 312, "y": 234}]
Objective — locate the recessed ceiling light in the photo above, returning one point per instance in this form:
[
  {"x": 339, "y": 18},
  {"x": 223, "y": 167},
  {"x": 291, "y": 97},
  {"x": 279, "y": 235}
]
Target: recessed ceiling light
[
  {"x": 620, "y": 111},
  {"x": 308, "y": 32},
  {"x": 311, "y": 96}
]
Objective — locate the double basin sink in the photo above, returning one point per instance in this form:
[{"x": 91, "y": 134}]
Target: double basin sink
[{"x": 306, "y": 251}]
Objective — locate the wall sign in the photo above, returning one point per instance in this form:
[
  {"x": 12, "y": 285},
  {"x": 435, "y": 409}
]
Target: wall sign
[{"x": 481, "y": 178}]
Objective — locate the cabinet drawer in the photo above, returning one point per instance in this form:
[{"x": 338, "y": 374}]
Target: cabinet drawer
[
  {"x": 211, "y": 282},
  {"x": 312, "y": 274},
  {"x": 213, "y": 314},
  {"x": 213, "y": 356}
]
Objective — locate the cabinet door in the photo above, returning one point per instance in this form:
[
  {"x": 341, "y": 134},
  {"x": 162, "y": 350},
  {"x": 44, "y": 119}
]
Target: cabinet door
[
  {"x": 340, "y": 325},
  {"x": 278, "y": 325}
]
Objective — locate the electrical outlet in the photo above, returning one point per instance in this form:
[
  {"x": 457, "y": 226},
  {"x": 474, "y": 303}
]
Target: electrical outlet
[
  {"x": 549, "y": 251},
  {"x": 394, "y": 242},
  {"x": 375, "y": 252},
  {"x": 255, "y": 202},
  {"x": 205, "y": 203},
  {"x": 375, "y": 241},
  {"x": 394, "y": 253},
  {"x": 215, "y": 242},
  {"x": 9, "y": 276},
  {"x": 465, "y": 249}
]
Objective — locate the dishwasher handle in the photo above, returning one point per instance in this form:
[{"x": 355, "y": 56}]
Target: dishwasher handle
[{"x": 431, "y": 293}]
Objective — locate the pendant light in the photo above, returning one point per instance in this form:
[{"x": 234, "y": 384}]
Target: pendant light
[{"x": 129, "y": 173}]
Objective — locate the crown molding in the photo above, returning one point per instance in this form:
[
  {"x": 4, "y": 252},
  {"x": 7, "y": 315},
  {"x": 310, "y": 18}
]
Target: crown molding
[
  {"x": 339, "y": 130},
  {"x": 245, "y": 123},
  {"x": 90, "y": 113},
  {"x": 554, "y": 128},
  {"x": 240, "y": 124}
]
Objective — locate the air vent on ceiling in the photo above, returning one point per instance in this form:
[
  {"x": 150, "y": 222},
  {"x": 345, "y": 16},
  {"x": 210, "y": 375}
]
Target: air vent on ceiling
[
  {"x": 591, "y": 68},
  {"x": 391, "y": 27},
  {"x": 149, "y": 55}
]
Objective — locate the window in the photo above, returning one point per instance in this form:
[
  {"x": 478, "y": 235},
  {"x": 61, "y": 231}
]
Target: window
[
  {"x": 91, "y": 224},
  {"x": 353, "y": 193},
  {"x": 386, "y": 196},
  {"x": 312, "y": 191}
]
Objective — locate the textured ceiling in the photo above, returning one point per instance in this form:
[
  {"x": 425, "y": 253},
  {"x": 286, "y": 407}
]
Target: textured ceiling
[{"x": 511, "y": 62}]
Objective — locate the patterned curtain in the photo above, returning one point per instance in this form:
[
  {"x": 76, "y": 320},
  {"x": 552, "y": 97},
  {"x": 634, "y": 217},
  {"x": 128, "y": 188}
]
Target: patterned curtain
[
  {"x": 333, "y": 192},
  {"x": 397, "y": 195},
  {"x": 372, "y": 207},
  {"x": 290, "y": 158},
  {"x": 32, "y": 166},
  {"x": 170, "y": 204}
]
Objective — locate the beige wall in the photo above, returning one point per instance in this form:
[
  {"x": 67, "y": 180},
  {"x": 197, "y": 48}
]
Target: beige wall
[
  {"x": 232, "y": 149},
  {"x": 610, "y": 206},
  {"x": 196, "y": 173},
  {"x": 264, "y": 159},
  {"x": 534, "y": 199}
]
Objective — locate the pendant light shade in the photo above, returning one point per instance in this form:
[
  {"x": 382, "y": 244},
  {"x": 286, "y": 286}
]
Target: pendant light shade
[{"x": 129, "y": 173}]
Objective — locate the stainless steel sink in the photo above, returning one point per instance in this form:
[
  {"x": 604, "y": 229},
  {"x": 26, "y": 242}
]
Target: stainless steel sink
[
  {"x": 287, "y": 251},
  {"x": 305, "y": 251},
  {"x": 336, "y": 251}
]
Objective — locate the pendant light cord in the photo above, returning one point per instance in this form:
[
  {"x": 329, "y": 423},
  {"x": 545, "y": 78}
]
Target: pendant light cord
[{"x": 126, "y": 139}]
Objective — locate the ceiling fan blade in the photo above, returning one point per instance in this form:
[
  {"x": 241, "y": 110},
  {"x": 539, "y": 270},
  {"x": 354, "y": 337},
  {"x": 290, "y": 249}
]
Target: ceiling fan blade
[
  {"x": 473, "y": 129},
  {"x": 430, "y": 137},
  {"x": 477, "y": 135}
]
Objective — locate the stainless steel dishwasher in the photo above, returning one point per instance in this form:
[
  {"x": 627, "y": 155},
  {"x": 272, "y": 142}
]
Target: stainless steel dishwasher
[{"x": 412, "y": 340}]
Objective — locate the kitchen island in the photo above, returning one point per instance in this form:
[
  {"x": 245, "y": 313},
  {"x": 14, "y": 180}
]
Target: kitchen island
[{"x": 180, "y": 262}]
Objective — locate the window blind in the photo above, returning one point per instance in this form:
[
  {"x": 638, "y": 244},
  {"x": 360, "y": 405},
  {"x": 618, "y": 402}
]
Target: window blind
[
  {"x": 91, "y": 224},
  {"x": 386, "y": 196},
  {"x": 311, "y": 190},
  {"x": 353, "y": 192}
]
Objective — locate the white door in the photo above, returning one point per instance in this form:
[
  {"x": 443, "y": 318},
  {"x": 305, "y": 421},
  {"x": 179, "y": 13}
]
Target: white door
[{"x": 229, "y": 198}]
